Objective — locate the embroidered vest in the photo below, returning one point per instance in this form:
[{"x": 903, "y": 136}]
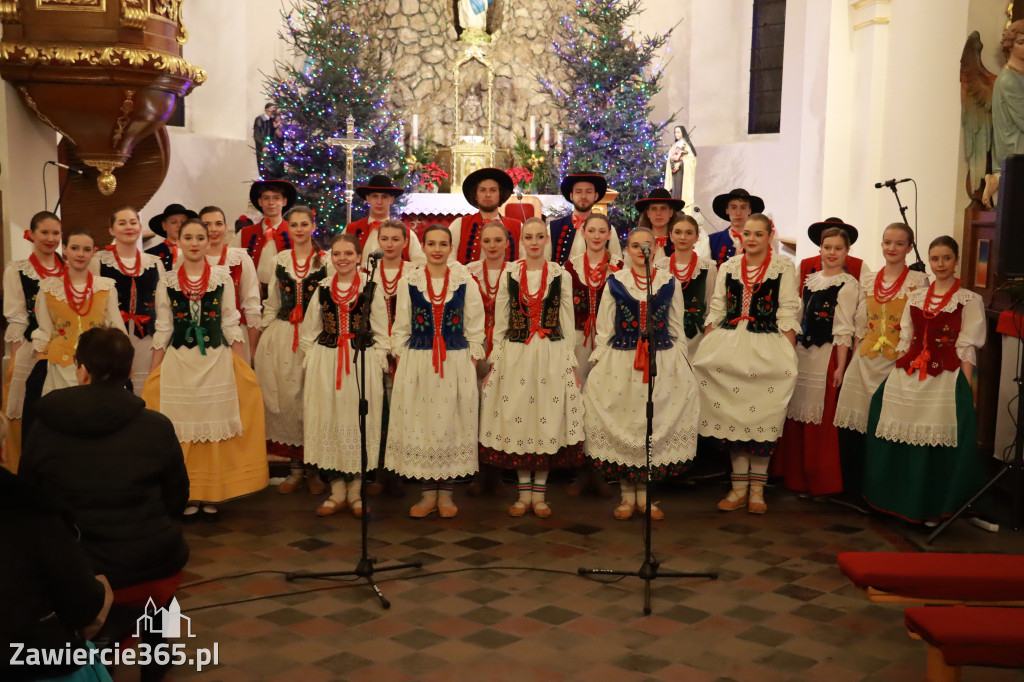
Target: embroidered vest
[
  {"x": 819, "y": 315},
  {"x": 163, "y": 252},
  {"x": 627, "y": 316},
  {"x": 938, "y": 337},
  {"x": 68, "y": 326},
  {"x": 329, "y": 317},
  {"x": 562, "y": 236},
  {"x": 883, "y": 320},
  {"x": 186, "y": 333},
  {"x": 764, "y": 304},
  {"x": 695, "y": 300},
  {"x": 519, "y": 323},
  {"x": 291, "y": 290},
  {"x": 31, "y": 288},
  {"x": 722, "y": 246},
  {"x": 145, "y": 296},
  {"x": 452, "y": 330}
]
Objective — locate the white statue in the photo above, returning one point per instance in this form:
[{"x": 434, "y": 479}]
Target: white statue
[{"x": 473, "y": 14}]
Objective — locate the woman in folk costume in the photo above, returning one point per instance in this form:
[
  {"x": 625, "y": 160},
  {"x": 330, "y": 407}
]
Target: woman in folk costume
[
  {"x": 696, "y": 276},
  {"x": 68, "y": 305},
  {"x": 330, "y": 413},
  {"x": 746, "y": 365},
  {"x": 616, "y": 392},
  {"x": 243, "y": 276},
  {"x": 201, "y": 382},
  {"x": 922, "y": 460},
  {"x": 488, "y": 272},
  {"x": 883, "y": 296},
  {"x": 531, "y": 410},
  {"x": 438, "y": 336},
  {"x": 136, "y": 275},
  {"x": 279, "y": 358},
  {"x": 808, "y": 456},
  {"x": 21, "y": 287}
]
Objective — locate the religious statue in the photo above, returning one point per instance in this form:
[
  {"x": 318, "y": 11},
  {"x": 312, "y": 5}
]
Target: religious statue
[
  {"x": 1007, "y": 106},
  {"x": 473, "y": 110},
  {"x": 473, "y": 20},
  {"x": 681, "y": 166}
]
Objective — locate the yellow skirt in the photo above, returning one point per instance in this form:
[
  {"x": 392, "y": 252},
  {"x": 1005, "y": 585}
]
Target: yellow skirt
[
  {"x": 226, "y": 469},
  {"x": 12, "y": 444}
]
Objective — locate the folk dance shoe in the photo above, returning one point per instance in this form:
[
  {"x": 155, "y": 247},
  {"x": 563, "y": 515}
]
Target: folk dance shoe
[
  {"x": 426, "y": 506},
  {"x": 296, "y": 479},
  {"x": 756, "y": 504},
  {"x": 446, "y": 508},
  {"x": 519, "y": 507},
  {"x": 641, "y": 504},
  {"x": 336, "y": 502},
  {"x": 736, "y": 499},
  {"x": 541, "y": 509},
  {"x": 355, "y": 501}
]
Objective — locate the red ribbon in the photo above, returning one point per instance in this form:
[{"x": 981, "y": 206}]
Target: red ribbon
[
  {"x": 139, "y": 320},
  {"x": 295, "y": 317},
  {"x": 537, "y": 330},
  {"x": 737, "y": 320},
  {"x": 440, "y": 350},
  {"x": 28, "y": 236},
  {"x": 921, "y": 363},
  {"x": 642, "y": 360},
  {"x": 343, "y": 354},
  {"x": 588, "y": 331}
]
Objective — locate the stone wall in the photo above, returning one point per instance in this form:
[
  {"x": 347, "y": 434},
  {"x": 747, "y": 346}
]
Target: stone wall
[{"x": 418, "y": 41}]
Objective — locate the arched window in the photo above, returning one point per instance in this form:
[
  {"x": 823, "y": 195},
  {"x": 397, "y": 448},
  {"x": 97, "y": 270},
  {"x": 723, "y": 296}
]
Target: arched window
[{"x": 766, "y": 45}]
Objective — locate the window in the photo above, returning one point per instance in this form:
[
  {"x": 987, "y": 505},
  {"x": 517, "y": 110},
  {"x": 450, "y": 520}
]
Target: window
[{"x": 766, "y": 66}]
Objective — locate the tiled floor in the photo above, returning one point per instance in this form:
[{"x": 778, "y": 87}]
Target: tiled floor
[{"x": 500, "y": 599}]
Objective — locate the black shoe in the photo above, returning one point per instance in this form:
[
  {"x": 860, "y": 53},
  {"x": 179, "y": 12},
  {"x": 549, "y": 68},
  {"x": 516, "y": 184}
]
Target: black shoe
[
  {"x": 194, "y": 517},
  {"x": 210, "y": 516}
]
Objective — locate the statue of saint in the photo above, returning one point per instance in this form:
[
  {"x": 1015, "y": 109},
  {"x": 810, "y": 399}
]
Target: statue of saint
[
  {"x": 473, "y": 20},
  {"x": 1007, "y": 106}
]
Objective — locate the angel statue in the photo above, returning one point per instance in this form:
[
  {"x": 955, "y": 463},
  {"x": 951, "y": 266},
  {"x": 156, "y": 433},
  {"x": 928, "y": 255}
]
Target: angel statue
[
  {"x": 975, "y": 111},
  {"x": 1007, "y": 107}
]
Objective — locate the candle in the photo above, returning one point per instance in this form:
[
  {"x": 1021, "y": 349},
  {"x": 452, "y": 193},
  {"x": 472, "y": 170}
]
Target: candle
[
  {"x": 547, "y": 136},
  {"x": 558, "y": 141},
  {"x": 533, "y": 132},
  {"x": 415, "y": 128}
]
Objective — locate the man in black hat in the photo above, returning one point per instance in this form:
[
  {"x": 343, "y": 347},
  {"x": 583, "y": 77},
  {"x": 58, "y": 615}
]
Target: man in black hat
[
  {"x": 582, "y": 190},
  {"x": 735, "y": 206},
  {"x": 166, "y": 226},
  {"x": 270, "y": 236},
  {"x": 486, "y": 190},
  {"x": 379, "y": 193}
]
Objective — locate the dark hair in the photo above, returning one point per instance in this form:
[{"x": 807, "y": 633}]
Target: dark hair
[
  {"x": 350, "y": 238},
  {"x": 126, "y": 207},
  {"x": 107, "y": 354},
  {"x": 435, "y": 227},
  {"x": 40, "y": 217},
  {"x": 194, "y": 221},
  {"x": 301, "y": 208},
  {"x": 685, "y": 219},
  {"x": 78, "y": 232},
  {"x": 644, "y": 221},
  {"x": 213, "y": 209},
  {"x": 947, "y": 241},
  {"x": 268, "y": 105},
  {"x": 835, "y": 232},
  {"x": 640, "y": 228},
  {"x": 394, "y": 225},
  {"x": 498, "y": 224},
  {"x": 900, "y": 226},
  {"x": 762, "y": 218}
]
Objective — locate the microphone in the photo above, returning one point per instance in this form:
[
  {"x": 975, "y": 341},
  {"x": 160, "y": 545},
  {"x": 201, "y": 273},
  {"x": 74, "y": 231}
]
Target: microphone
[
  {"x": 66, "y": 167},
  {"x": 645, "y": 248},
  {"x": 375, "y": 256},
  {"x": 519, "y": 193},
  {"x": 891, "y": 183}
]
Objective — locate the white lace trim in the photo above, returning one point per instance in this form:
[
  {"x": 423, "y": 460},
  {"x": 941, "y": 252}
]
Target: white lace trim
[
  {"x": 218, "y": 275},
  {"x": 967, "y": 354},
  {"x": 336, "y": 447},
  {"x": 819, "y": 282},
  {"x": 851, "y": 419},
  {"x": 476, "y": 351},
  {"x": 961, "y": 297},
  {"x": 459, "y": 275},
  {"x": 554, "y": 270},
  {"x": 780, "y": 265},
  {"x": 25, "y": 267},
  {"x": 285, "y": 259},
  {"x": 55, "y": 286},
  {"x": 792, "y": 326},
  {"x": 197, "y": 432},
  {"x": 625, "y": 277},
  {"x": 914, "y": 280},
  {"x": 703, "y": 262},
  {"x": 678, "y": 446},
  {"x": 806, "y": 413},
  {"x": 918, "y": 434},
  {"x": 148, "y": 260}
]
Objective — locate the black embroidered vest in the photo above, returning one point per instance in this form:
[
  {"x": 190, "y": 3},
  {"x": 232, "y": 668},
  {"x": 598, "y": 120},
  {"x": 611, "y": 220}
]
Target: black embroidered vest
[
  {"x": 31, "y": 288},
  {"x": 145, "y": 295},
  {"x": 452, "y": 326},
  {"x": 695, "y": 300},
  {"x": 627, "y": 316},
  {"x": 764, "y": 305},
  {"x": 519, "y": 319},
  {"x": 819, "y": 314},
  {"x": 290, "y": 289},
  {"x": 329, "y": 318},
  {"x": 187, "y": 332}
]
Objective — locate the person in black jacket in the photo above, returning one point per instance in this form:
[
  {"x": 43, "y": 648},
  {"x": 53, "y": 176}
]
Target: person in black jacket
[{"x": 116, "y": 465}]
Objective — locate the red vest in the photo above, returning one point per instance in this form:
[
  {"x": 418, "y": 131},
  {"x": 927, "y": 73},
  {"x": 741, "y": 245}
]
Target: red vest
[
  {"x": 363, "y": 227},
  {"x": 809, "y": 266},
  {"x": 469, "y": 239},
  {"x": 254, "y": 238}
]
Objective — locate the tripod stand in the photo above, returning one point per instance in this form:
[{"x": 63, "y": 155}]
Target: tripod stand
[
  {"x": 919, "y": 265},
  {"x": 650, "y": 568},
  {"x": 365, "y": 567}
]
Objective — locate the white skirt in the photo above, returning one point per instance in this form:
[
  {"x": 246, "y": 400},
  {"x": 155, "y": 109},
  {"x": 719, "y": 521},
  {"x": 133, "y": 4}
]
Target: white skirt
[
  {"x": 142, "y": 362},
  {"x": 331, "y": 415},
  {"x": 919, "y": 412},
  {"x": 58, "y": 376},
  {"x": 863, "y": 377},
  {"x": 745, "y": 382},
  {"x": 199, "y": 395},
  {"x": 279, "y": 370},
  {"x": 531, "y": 402},
  {"x": 24, "y": 360},
  {"x": 432, "y": 430},
  {"x": 615, "y": 414},
  {"x": 808, "y": 401}
]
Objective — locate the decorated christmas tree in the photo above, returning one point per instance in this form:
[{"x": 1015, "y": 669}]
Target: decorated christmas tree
[
  {"x": 606, "y": 101},
  {"x": 333, "y": 76}
]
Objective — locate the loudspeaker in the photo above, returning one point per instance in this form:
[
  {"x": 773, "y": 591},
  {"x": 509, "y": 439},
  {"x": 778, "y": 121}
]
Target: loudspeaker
[{"x": 1010, "y": 217}]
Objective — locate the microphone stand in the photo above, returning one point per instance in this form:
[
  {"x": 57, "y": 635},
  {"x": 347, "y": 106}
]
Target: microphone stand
[
  {"x": 650, "y": 568},
  {"x": 365, "y": 568},
  {"x": 919, "y": 265}
]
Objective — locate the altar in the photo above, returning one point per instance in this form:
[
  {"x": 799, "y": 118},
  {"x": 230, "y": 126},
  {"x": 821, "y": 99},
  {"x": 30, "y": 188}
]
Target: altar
[{"x": 420, "y": 209}]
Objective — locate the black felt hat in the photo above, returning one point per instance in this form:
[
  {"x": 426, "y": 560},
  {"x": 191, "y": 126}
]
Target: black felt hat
[
  {"x": 596, "y": 179},
  {"x": 505, "y": 184},
  {"x": 156, "y": 223},
  {"x": 659, "y": 196},
  {"x": 721, "y": 202},
  {"x": 815, "y": 230},
  {"x": 379, "y": 183},
  {"x": 283, "y": 186}
]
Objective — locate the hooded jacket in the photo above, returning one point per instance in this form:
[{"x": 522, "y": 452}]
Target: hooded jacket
[{"x": 120, "y": 471}]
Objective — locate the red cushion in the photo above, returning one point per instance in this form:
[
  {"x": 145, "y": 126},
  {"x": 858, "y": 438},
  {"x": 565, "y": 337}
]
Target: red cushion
[
  {"x": 160, "y": 590},
  {"x": 972, "y": 635},
  {"x": 962, "y": 577}
]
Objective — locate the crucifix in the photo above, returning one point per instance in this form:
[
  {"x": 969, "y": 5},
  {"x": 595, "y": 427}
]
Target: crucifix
[{"x": 350, "y": 142}]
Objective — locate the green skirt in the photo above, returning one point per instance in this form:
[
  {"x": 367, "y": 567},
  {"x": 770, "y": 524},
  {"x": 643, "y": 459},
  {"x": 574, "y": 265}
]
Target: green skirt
[{"x": 923, "y": 482}]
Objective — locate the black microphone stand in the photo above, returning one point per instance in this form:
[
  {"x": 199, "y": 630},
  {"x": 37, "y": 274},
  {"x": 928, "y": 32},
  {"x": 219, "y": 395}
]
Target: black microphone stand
[
  {"x": 365, "y": 568},
  {"x": 919, "y": 265},
  {"x": 650, "y": 568}
]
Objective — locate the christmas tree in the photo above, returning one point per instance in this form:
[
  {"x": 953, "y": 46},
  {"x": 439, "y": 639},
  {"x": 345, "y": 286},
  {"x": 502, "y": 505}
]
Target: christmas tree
[
  {"x": 606, "y": 102},
  {"x": 335, "y": 78}
]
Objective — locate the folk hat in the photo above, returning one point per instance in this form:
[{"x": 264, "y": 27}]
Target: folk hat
[
  {"x": 659, "y": 195},
  {"x": 505, "y": 184},
  {"x": 283, "y": 186},
  {"x": 598, "y": 180},
  {"x": 156, "y": 222},
  {"x": 815, "y": 230},
  {"x": 721, "y": 202},
  {"x": 379, "y": 183}
]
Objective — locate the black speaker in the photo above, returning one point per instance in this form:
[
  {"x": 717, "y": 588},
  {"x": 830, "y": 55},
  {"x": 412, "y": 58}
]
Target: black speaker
[{"x": 1010, "y": 217}]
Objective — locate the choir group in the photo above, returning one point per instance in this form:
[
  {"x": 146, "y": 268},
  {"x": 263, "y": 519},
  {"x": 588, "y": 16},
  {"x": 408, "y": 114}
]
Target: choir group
[{"x": 521, "y": 346}]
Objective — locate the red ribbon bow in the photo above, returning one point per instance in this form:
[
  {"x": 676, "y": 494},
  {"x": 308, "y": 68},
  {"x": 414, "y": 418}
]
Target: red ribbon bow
[
  {"x": 737, "y": 320},
  {"x": 28, "y": 236},
  {"x": 440, "y": 350},
  {"x": 295, "y": 317},
  {"x": 343, "y": 353},
  {"x": 921, "y": 363},
  {"x": 139, "y": 320},
  {"x": 642, "y": 360}
]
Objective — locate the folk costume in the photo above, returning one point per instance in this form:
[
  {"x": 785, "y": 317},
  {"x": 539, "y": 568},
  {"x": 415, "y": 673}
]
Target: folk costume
[
  {"x": 725, "y": 244},
  {"x": 247, "y": 290},
  {"x": 531, "y": 408},
  {"x": 161, "y": 247},
  {"x": 207, "y": 391},
  {"x": 63, "y": 313},
  {"x": 279, "y": 356},
  {"x": 21, "y": 287},
  {"x": 564, "y": 231},
  {"x": 746, "y": 367},
  {"x": 588, "y": 280},
  {"x": 366, "y": 231},
  {"x": 433, "y": 428},
  {"x": 489, "y": 282},
  {"x": 921, "y": 460},
  {"x": 697, "y": 283},
  {"x": 467, "y": 231},
  {"x": 135, "y": 279},
  {"x": 264, "y": 241},
  {"x": 330, "y": 396},
  {"x": 660, "y": 195},
  {"x": 615, "y": 395}
]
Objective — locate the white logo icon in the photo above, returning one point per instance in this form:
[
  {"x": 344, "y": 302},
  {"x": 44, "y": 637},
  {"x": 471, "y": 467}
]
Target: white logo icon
[{"x": 163, "y": 621}]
